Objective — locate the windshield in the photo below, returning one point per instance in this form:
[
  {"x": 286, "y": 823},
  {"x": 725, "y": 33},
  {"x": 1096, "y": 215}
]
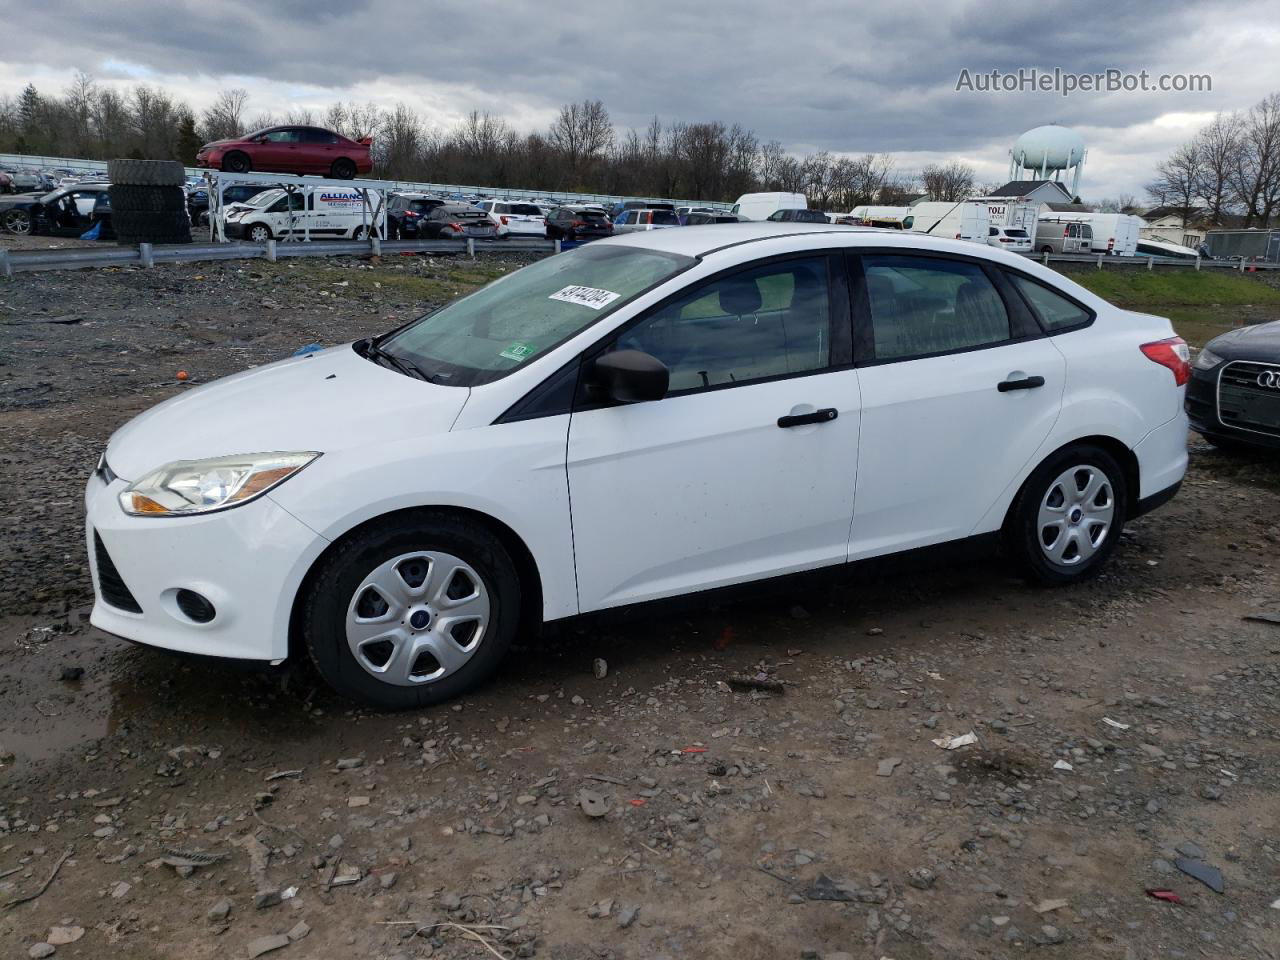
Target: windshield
[
  {"x": 515, "y": 319},
  {"x": 264, "y": 199}
]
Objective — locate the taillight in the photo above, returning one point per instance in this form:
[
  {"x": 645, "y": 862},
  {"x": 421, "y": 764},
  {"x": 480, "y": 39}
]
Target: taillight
[
  {"x": 578, "y": 223},
  {"x": 456, "y": 226},
  {"x": 504, "y": 220},
  {"x": 1005, "y": 240},
  {"x": 411, "y": 215},
  {"x": 1172, "y": 353}
]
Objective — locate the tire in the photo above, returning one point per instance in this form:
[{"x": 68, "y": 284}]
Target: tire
[
  {"x": 18, "y": 221},
  {"x": 1046, "y": 249},
  {"x": 343, "y": 169},
  {"x": 133, "y": 226},
  {"x": 236, "y": 162},
  {"x": 146, "y": 173},
  {"x": 129, "y": 198},
  {"x": 258, "y": 233},
  {"x": 1231, "y": 447},
  {"x": 1053, "y": 499},
  {"x": 342, "y": 613}
]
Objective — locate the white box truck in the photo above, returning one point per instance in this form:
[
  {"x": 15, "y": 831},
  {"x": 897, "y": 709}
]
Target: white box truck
[
  {"x": 758, "y": 206},
  {"x": 962, "y": 220},
  {"x": 1115, "y": 234}
]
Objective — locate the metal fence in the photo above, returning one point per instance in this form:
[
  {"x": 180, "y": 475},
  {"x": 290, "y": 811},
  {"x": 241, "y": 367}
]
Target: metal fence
[{"x": 146, "y": 255}]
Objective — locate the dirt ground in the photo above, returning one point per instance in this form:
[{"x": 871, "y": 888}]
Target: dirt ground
[{"x": 1122, "y": 726}]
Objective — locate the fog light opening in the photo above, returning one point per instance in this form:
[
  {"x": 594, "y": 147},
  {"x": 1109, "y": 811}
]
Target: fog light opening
[{"x": 195, "y": 607}]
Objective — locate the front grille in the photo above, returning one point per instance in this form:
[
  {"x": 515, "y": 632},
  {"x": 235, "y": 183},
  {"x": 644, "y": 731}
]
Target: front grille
[
  {"x": 1244, "y": 403},
  {"x": 110, "y": 583}
]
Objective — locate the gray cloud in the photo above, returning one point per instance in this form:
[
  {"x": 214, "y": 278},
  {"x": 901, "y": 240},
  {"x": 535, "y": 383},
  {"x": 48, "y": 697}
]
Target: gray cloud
[{"x": 814, "y": 74}]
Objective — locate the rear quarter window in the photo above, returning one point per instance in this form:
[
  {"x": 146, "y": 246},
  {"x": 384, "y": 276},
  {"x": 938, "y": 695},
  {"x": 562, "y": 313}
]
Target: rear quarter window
[{"x": 1054, "y": 311}]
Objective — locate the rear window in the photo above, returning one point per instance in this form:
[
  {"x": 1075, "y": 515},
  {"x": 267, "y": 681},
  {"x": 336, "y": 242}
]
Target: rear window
[
  {"x": 422, "y": 206},
  {"x": 591, "y": 214},
  {"x": 1015, "y": 232},
  {"x": 524, "y": 209},
  {"x": 666, "y": 217}
]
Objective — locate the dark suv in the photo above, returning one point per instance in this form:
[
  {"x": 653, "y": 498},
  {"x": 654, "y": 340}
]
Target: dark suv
[
  {"x": 577, "y": 224},
  {"x": 406, "y": 211},
  {"x": 798, "y": 216}
]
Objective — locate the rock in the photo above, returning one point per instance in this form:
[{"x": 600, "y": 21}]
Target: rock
[
  {"x": 261, "y": 945},
  {"x": 1050, "y": 934},
  {"x": 39, "y": 951},
  {"x": 298, "y": 931},
  {"x": 599, "y": 909},
  {"x": 121, "y": 889},
  {"x": 357, "y": 801},
  {"x": 266, "y": 898},
  {"x": 387, "y": 881},
  {"x": 1189, "y": 849},
  {"x": 922, "y": 878},
  {"x": 71, "y": 674},
  {"x": 600, "y": 667},
  {"x": 1211, "y": 791},
  {"x": 627, "y": 916},
  {"x": 61, "y": 935},
  {"x": 886, "y": 767},
  {"x": 824, "y": 888},
  {"x": 350, "y": 763},
  {"x": 220, "y": 910},
  {"x": 592, "y": 803}
]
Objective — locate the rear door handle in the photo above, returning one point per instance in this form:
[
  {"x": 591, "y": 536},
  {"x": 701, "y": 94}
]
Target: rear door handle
[
  {"x": 1026, "y": 383},
  {"x": 825, "y": 415}
]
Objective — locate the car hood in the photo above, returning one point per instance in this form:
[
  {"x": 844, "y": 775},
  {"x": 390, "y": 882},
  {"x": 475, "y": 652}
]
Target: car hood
[
  {"x": 1260, "y": 341},
  {"x": 218, "y": 143},
  {"x": 326, "y": 401}
]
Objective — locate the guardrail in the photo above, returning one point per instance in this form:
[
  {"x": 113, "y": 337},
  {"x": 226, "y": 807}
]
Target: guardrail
[{"x": 147, "y": 255}]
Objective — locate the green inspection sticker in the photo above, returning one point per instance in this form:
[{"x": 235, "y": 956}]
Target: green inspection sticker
[{"x": 518, "y": 351}]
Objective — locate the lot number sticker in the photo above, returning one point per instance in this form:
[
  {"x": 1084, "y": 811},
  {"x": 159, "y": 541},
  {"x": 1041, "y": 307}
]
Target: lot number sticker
[
  {"x": 519, "y": 352},
  {"x": 586, "y": 296}
]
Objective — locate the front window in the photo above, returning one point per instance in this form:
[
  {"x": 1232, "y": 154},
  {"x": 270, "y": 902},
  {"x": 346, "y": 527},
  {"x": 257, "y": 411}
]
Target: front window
[{"x": 513, "y": 320}]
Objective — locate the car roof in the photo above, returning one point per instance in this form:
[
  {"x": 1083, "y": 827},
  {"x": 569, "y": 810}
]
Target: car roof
[{"x": 718, "y": 236}]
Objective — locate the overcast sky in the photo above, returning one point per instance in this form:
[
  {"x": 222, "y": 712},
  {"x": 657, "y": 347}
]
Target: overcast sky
[{"x": 815, "y": 74}]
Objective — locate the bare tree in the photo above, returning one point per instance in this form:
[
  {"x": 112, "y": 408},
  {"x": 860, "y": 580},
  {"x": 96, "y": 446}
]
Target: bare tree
[
  {"x": 1177, "y": 180},
  {"x": 948, "y": 182},
  {"x": 1218, "y": 147},
  {"x": 225, "y": 118},
  {"x": 1256, "y": 177},
  {"x": 582, "y": 132}
]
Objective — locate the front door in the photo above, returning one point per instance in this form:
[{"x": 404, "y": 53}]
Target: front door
[
  {"x": 746, "y": 468},
  {"x": 958, "y": 393}
]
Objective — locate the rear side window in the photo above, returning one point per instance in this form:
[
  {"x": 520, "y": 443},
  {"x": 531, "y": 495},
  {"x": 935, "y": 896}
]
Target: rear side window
[
  {"x": 920, "y": 306},
  {"x": 766, "y": 321},
  {"x": 665, "y": 217},
  {"x": 1055, "y": 312}
]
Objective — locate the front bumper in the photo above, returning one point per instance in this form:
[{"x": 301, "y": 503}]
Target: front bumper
[
  {"x": 248, "y": 561},
  {"x": 1205, "y": 418},
  {"x": 235, "y": 230}
]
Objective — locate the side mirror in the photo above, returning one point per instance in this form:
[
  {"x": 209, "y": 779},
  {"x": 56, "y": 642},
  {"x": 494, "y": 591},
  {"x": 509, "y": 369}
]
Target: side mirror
[{"x": 629, "y": 376}]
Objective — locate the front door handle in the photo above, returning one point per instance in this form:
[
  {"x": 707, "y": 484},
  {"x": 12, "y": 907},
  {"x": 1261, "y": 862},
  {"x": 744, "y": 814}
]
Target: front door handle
[
  {"x": 1026, "y": 383},
  {"x": 825, "y": 415}
]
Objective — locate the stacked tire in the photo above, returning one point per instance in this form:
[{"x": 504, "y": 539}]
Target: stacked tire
[{"x": 148, "y": 203}]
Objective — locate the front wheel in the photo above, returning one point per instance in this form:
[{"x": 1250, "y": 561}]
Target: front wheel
[
  {"x": 259, "y": 233},
  {"x": 19, "y": 222},
  {"x": 1068, "y": 516},
  {"x": 236, "y": 163},
  {"x": 412, "y": 613}
]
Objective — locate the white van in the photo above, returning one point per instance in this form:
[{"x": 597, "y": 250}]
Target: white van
[
  {"x": 308, "y": 213},
  {"x": 1056, "y": 235},
  {"x": 1113, "y": 233},
  {"x": 758, "y": 206},
  {"x": 961, "y": 220}
]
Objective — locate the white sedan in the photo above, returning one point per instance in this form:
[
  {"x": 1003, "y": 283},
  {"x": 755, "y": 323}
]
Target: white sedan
[{"x": 646, "y": 416}]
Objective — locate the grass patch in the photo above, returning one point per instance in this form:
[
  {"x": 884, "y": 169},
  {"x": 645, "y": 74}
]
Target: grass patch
[{"x": 1160, "y": 290}]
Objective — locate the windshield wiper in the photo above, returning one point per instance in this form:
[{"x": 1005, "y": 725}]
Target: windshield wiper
[{"x": 392, "y": 361}]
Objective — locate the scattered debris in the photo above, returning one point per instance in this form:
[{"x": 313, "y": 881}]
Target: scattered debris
[
  {"x": 261, "y": 945},
  {"x": 1116, "y": 723},
  {"x": 954, "y": 743},
  {"x": 281, "y": 774},
  {"x": 1048, "y": 906},
  {"x": 219, "y": 911},
  {"x": 1063, "y": 765},
  {"x": 190, "y": 858},
  {"x": 347, "y": 876},
  {"x": 71, "y": 674},
  {"x": 350, "y": 763},
  {"x": 600, "y": 909},
  {"x": 886, "y": 767},
  {"x": 592, "y": 803},
  {"x": 298, "y": 931},
  {"x": 761, "y": 681},
  {"x": 824, "y": 888},
  {"x": 627, "y": 916},
  {"x": 1160, "y": 893},
  {"x": 600, "y": 667},
  {"x": 922, "y": 878},
  {"x": 38, "y": 951},
  {"x": 44, "y": 886},
  {"x": 59, "y": 936},
  {"x": 1263, "y": 617},
  {"x": 1209, "y": 875}
]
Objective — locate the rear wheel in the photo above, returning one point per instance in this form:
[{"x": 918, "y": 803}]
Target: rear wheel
[
  {"x": 343, "y": 169},
  {"x": 412, "y": 613},
  {"x": 1068, "y": 516},
  {"x": 1046, "y": 249}
]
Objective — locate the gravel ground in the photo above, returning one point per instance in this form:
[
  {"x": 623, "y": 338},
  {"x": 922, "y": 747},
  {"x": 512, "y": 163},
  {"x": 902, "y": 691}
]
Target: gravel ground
[{"x": 1123, "y": 727}]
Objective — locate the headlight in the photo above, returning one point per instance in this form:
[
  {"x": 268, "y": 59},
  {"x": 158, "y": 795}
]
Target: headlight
[
  {"x": 201, "y": 486},
  {"x": 1207, "y": 360}
]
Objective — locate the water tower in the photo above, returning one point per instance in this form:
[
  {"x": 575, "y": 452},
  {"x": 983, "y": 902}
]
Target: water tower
[{"x": 1046, "y": 150}]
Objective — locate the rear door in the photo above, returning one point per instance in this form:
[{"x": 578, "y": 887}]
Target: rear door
[
  {"x": 959, "y": 389},
  {"x": 746, "y": 468}
]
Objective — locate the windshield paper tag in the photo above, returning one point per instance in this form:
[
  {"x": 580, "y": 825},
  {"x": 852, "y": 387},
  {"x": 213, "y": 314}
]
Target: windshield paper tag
[
  {"x": 518, "y": 352},
  {"x": 585, "y": 296}
]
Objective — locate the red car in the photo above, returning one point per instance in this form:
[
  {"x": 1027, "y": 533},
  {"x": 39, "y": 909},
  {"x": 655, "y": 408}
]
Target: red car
[{"x": 295, "y": 150}]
